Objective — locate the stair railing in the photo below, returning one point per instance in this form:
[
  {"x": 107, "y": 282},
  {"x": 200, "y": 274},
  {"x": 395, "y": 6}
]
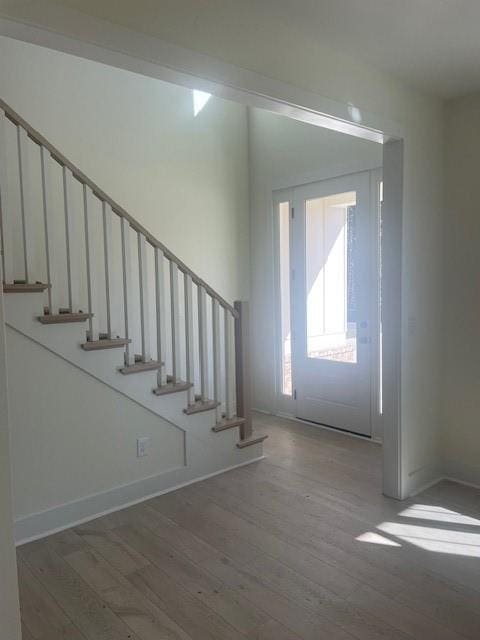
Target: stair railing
[{"x": 185, "y": 321}]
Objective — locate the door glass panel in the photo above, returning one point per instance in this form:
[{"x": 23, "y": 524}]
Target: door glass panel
[
  {"x": 330, "y": 249},
  {"x": 284, "y": 255}
]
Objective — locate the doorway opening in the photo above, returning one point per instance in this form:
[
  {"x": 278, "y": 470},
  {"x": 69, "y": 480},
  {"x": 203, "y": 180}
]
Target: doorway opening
[{"x": 329, "y": 301}]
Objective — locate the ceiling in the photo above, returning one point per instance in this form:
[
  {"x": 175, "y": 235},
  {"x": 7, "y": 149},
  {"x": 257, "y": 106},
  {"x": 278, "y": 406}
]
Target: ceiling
[{"x": 433, "y": 44}]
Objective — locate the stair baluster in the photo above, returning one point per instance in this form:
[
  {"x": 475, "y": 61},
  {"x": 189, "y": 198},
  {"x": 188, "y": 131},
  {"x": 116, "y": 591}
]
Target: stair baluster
[
  {"x": 70, "y": 241},
  {"x": 5, "y": 221},
  {"x": 144, "y": 302},
  {"x": 175, "y": 323},
  {"x": 189, "y": 338},
  {"x": 217, "y": 392},
  {"x": 26, "y": 214},
  {"x": 242, "y": 369},
  {"x": 202, "y": 342},
  {"x": 92, "y": 320},
  {"x": 107, "y": 253},
  {"x": 226, "y": 349},
  {"x": 127, "y": 291},
  {"x": 161, "y": 313},
  {"x": 229, "y": 412},
  {"x": 46, "y": 159}
]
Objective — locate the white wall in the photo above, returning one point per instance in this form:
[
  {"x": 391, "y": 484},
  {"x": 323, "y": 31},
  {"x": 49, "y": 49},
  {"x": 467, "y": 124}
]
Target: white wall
[
  {"x": 183, "y": 178},
  {"x": 72, "y": 436},
  {"x": 461, "y": 407},
  {"x": 286, "y": 153},
  {"x": 260, "y": 41},
  {"x": 9, "y": 611}
]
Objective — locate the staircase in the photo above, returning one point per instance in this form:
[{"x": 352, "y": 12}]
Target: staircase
[{"x": 85, "y": 280}]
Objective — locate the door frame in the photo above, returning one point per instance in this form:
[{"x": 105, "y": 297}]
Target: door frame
[
  {"x": 94, "y": 39},
  {"x": 287, "y": 405}
]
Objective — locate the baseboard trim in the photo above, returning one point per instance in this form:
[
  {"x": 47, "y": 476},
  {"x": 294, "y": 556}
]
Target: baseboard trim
[
  {"x": 473, "y": 485},
  {"x": 425, "y": 486},
  {"x": 45, "y": 523},
  {"x": 442, "y": 479}
]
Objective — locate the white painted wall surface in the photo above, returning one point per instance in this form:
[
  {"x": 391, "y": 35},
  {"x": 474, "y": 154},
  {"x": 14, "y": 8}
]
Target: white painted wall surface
[
  {"x": 72, "y": 436},
  {"x": 461, "y": 407},
  {"x": 9, "y": 606},
  {"x": 182, "y": 177},
  {"x": 262, "y": 42}
]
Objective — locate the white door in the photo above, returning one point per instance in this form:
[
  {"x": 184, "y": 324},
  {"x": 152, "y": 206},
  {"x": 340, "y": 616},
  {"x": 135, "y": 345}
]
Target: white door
[{"x": 332, "y": 302}]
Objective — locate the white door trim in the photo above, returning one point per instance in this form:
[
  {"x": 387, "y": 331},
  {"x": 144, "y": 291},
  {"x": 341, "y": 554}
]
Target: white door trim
[{"x": 69, "y": 31}]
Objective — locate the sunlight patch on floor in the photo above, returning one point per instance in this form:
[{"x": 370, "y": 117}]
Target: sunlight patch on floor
[
  {"x": 376, "y": 538},
  {"x": 439, "y": 514},
  {"x": 432, "y": 538}
]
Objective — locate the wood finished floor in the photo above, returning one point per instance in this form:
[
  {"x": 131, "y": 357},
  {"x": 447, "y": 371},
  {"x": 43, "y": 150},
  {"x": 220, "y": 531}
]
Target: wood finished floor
[{"x": 267, "y": 552}]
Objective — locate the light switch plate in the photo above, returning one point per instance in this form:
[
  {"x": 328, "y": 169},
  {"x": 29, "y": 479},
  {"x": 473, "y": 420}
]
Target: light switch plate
[{"x": 143, "y": 444}]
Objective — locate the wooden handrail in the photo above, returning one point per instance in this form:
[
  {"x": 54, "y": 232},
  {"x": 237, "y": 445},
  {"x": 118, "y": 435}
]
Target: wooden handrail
[{"x": 37, "y": 137}]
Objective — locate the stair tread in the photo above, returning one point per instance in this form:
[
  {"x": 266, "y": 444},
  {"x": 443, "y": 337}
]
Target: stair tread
[
  {"x": 139, "y": 367},
  {"x": 60, "y": 318},
  {"x": 251, "y": 441},
  {"x": 172, "y": 387},
  {"x": 104, "y": 343},
  {"x": 25, "y": 287},
  {"x": 228, "y": 424},
  {"x": 200, "y": 406}
]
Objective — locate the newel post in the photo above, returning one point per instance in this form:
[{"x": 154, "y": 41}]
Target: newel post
[{"x": 242, "y": 368}]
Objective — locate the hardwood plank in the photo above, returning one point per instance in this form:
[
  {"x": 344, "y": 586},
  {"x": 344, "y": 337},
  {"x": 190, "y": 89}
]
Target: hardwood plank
[
  {"x": 94, "y": 619},
  {"x": 42, "y": 618},
  {"x": 26, "y": 635},
  {"x": 231, "y": 606},
  {"x": 190, "y": 545},
  {"x": 276, "y": 549},
  {"x": 188, "y": 611},
  {"x": 145, "y": 619},
  {"x": 280, "y": 579},
  {"x": 414, "y": 587},
  {"x": 115, "y": 551},
  {"x": 183, "y": 512},
  {"x": 424, "y": 592},
  {"x": 272, "y": 630}
]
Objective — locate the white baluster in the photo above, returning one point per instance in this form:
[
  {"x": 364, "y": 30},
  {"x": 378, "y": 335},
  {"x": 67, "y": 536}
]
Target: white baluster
[
  {"x": 189, "y": 343},
  {"x": 25, "y": 203},
  {"x": 161, "y": 315},
  {"x": 144, "y": 302},
  {"x": 127, "y": 290},
  {"x": 107, "y": 252},
  {"x": 45, "y": 159},
  {"x": 202, "y": 342},
  {"x": 87, "y": 211},
  {"x": 176, "y": 373},
  {"x": 71, "y": 241},
  {"x": 5, "y": 211},
  {"x": 217, "y": 391},
  {"x": 229, "y": 412}
]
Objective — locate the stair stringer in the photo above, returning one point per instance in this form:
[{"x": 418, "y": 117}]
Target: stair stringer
[{"x": 206, "y": 451}]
